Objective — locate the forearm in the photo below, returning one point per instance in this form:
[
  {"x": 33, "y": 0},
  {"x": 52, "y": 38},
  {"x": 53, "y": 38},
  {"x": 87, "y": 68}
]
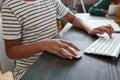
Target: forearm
[
  {"x": 22, "y": 51},
  {"x": 80, "y": 24},
  {"x": 70, "y": 17}
]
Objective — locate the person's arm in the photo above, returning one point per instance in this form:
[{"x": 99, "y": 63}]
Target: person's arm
[
  {"x": 100, "y": 8},
  {"x": 70, "y": 17},
  {"x": 16, "y": 50}
]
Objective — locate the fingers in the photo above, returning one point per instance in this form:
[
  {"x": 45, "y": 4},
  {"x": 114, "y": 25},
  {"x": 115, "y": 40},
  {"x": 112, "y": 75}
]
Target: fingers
[
  {"x": 63, "y": 54},
  {"x": 70, "y": 44},
  {"x": 69, "y": 47},
  {"x": 61, "y": 48},
  {"x": 104, "y": 29},
  {"x": 96, "y": 31},
  {"x": 65, "y": 47},
  {"x": 108, "y": 29}
]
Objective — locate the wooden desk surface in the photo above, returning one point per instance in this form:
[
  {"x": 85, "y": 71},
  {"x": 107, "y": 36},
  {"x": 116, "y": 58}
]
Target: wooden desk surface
[{"x": 89, "y": 67}]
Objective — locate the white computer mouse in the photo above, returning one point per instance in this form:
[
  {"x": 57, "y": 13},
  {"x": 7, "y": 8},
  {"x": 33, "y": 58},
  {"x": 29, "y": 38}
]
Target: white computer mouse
[{"x": 79, "y": 53}]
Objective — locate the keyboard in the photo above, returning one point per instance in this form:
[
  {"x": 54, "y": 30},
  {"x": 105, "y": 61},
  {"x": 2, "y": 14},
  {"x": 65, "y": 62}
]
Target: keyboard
[{"x": 105, "y": 46}]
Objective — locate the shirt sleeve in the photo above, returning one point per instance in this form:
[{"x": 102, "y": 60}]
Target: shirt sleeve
[
  {"x": 61, "y": 9},
  {"x": 99, "y": 8},
  {"x": 11, "y": 27}
]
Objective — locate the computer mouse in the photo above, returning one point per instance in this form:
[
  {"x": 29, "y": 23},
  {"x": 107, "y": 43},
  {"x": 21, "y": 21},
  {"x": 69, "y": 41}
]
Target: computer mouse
[{"x": 79, "y": 53}]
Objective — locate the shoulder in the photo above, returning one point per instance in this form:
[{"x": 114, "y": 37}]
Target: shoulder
[{"x": 9, "y": 5}]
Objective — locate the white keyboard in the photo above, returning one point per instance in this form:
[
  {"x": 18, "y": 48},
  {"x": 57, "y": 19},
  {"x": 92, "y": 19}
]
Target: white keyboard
[{"x": 105, "y": 46}]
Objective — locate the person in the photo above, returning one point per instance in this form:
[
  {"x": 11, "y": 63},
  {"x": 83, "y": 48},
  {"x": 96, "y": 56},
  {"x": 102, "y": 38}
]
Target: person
[
  {"x": 101, "y": 7},
  {"x": 30, "y": 25}
]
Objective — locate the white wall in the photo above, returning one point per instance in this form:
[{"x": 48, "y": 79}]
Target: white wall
[{"x": 6, "y": 63}]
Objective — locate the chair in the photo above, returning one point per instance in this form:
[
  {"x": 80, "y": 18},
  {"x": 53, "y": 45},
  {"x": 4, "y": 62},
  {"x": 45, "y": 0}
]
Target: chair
[
  {"x": 6, "y": 63},
  {"x": 6, "y": 76}
]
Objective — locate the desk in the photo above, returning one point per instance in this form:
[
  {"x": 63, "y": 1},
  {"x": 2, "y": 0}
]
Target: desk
[{"x": 89, "y": 67}]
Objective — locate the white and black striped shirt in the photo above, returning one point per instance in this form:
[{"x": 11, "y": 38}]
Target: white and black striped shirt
[{"x": 30, "y": 22}]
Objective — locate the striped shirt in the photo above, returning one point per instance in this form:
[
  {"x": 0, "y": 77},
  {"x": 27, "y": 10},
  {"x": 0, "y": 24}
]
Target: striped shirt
[{"x": 30, "y": 22}]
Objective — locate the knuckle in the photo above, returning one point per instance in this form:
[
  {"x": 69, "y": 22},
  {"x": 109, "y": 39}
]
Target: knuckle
[
  {"x": 59, "y": 50},
  {"x": 66, "y": 47},
  {"x": 61, "y": 40},
  {"x": 70, "y": 43}
]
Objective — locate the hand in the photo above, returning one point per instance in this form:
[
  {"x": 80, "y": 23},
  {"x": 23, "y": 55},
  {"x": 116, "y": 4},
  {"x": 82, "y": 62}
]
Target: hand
[
  {"x": 55, "y": 46},
  {"x": 100, "y": 30}
]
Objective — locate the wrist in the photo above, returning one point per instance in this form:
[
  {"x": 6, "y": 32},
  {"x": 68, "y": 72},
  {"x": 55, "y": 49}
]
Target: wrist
[{"x": 41, "y": 45}]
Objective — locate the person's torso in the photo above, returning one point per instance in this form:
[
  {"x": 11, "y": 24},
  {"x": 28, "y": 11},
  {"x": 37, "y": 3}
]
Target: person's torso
[{"x": 37, "y": 19}]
